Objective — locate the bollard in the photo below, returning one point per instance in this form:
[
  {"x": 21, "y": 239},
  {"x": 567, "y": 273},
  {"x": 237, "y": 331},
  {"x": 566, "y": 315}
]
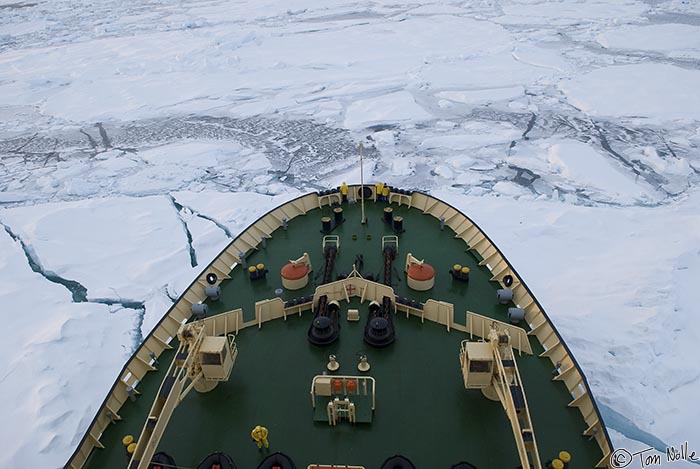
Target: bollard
[
  {"x": 594, "y": 432},
  {"x": 557, "y": 366}
]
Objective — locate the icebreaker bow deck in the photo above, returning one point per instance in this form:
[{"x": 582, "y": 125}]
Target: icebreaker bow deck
[{"x": 315, "y": 339}]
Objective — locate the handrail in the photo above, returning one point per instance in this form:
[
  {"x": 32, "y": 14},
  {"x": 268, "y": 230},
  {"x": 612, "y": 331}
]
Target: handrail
[
  {"x": 518, "y": 334},
  {"x": 512, "y": 412}
]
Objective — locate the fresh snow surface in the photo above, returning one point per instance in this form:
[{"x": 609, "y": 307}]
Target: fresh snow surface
[
  {"x": 56, "y": 358},
  {"x": 132, "y": 244},
  {"x": 565, "y": 13},
  {"x": 654, "y": 91},
  {"x": 137, "y": 139},
  {"x": 580, "y": 171},
  {"x": 675, "y": 38},
  {"x": 473, "y": 135},
  {"x": 576, "y": 161},
  {"x": 138, "y": 259},
  {"x": 144, "y": 76},
  {"x": 485, "y": 72},
  {"x": 485, "y": 96},
  {"x": 386, "y": 109}
]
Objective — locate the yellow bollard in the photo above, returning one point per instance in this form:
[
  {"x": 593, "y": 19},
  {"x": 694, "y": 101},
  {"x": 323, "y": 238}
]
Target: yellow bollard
[
  {"x": 565, "y": 457},
  {"x": 259, "y": 435}
]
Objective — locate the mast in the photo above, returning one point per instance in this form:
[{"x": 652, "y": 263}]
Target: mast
[{"x": 362, "y": 187}]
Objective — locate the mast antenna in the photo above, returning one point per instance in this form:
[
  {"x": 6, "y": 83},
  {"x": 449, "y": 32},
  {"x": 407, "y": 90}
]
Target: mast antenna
[{"x": 362, "y": 187}]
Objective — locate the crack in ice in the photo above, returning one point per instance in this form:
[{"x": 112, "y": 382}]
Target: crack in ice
[
  {"x": 628, "y": 429},
  {"x": 188, "y": 234},
  {"x": 103, "y": 134},
  {"x": 77, "y": 290},
  {"x": 216, "y": 222},
  {"x": 91, "y": 140}
]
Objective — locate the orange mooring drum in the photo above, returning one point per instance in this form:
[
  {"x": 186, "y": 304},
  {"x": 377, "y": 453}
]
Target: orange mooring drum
[
  {"x": 337, "y": 385},
  {"x": 421, "y": 272},
  {"x": 294, "y": 271},
  {"x": 351, "y": 385}
]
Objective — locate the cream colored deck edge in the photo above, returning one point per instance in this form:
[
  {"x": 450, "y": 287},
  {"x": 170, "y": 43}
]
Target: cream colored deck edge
[
  {"x": 542, "y": 328},
  {"x": 158, "y": 340}
]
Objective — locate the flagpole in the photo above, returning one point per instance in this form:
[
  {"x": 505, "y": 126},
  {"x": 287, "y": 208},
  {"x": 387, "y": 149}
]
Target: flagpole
[{"x": 362, "y": 186}]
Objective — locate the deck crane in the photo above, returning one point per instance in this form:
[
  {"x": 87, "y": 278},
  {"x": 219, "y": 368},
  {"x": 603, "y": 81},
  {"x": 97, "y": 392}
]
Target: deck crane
[
  {"x": 490, "y": 366},
  {"x": 200, "y": 363}
]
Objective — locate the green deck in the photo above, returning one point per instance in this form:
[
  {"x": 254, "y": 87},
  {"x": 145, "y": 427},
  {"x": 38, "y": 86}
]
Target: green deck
[{"x": 423, "y": 410}]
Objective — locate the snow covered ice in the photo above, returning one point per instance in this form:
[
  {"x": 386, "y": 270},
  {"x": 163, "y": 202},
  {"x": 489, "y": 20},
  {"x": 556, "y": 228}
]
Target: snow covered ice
[{"x": 137, "y": 139}]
